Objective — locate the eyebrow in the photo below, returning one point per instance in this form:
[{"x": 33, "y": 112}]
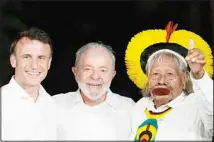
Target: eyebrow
[
  {"x": 44, "y": 56},
  {"x": 92, "y": 66},
  {"x": 26, "y": 55},
  {"x": 104, "y": 67}
]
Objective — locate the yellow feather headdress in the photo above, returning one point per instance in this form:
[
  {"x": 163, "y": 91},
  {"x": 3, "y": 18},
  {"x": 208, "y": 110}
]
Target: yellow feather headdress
[{"x": 141, "y": 41}]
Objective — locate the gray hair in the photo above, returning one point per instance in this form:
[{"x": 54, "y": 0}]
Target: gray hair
[
  {"x": 90, "y": 45},
  {"x": 179, "y": 62}
]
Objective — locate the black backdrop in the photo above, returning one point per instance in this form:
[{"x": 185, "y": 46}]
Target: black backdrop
[{"x": 71, "y": 24}]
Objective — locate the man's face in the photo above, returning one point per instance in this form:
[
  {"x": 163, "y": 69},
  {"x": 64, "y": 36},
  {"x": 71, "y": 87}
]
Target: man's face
[
  {"x": 94, "y": 72},
  {"x": 31, "y": 61},
  {"x": 165, "y": 81}
]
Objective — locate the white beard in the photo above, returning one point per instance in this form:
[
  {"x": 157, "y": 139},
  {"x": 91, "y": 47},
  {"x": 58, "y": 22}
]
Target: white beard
[{"x": 93, "y": 95}]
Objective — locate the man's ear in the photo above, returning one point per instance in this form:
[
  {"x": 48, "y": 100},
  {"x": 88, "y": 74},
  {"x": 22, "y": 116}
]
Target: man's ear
[
  {"x": 49, "y": 64},
  {"x": 114, "y": 73},
  {"x": 74, "y": 70},
  {"x": 13, "y": 60},
  {"x": 185, "y": 79}
]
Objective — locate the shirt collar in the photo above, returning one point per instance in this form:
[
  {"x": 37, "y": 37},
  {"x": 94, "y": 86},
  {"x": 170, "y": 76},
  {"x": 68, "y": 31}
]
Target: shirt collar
[
  {"x": 111, "y": 99},
  {"x": 20, "y": 92},
  {"x": 174, "y": 103},
  {"x": 177, "y": 101},
  {"x": 78, "y": 98}
]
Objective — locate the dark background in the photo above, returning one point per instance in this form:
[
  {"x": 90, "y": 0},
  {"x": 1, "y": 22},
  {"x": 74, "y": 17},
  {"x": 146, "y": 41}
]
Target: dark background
[{"x": 72, "y": 24}]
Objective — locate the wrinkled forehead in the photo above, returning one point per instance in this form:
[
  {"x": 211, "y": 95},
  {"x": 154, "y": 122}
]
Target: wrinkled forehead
[
  {"x": 167, "y": 55},
  {"x": 165, "y": 61},
  {"x": 164, "y": 58}
]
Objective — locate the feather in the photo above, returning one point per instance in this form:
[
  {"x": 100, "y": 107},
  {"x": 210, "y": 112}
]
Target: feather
[{"x": 170, "y": 28}]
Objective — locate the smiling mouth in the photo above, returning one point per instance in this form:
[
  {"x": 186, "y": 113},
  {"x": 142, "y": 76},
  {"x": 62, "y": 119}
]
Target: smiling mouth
[
  {"x": 94, "y": 85},
  {"x": 33, "y": 73}
]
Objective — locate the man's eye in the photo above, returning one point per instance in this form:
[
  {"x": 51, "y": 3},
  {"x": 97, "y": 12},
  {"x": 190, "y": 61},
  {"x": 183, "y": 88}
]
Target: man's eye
[
  {"x": 25, "y": 57},
  {"x": 155, "y": 73},
  {"x": 42, "y": 58},
  {"x": 103, "y": 70},
  {"x": 86, "y": 69},
  {"x": 170, "y": 74}
]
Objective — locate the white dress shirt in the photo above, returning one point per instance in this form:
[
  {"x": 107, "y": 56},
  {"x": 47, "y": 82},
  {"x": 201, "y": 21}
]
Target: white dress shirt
[
  {"x": 24, "y": 119},
  {"x": 110, "y": 120},
  {"x": 190, "y": 119}
]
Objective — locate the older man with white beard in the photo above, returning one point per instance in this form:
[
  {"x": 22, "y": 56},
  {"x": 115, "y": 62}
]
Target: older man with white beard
[{"x": 94, "y": 112}]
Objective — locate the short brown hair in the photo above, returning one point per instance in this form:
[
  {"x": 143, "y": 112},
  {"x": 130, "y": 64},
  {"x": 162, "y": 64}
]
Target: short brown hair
[{"x": 32, "y": 33}]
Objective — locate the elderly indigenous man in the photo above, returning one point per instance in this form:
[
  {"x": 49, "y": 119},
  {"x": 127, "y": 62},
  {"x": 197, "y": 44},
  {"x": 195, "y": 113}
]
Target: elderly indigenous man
[
  {"x": 94, "y": 112},
  {"x": 28, "y": 111},
  {"x": 170, "y": 110}
]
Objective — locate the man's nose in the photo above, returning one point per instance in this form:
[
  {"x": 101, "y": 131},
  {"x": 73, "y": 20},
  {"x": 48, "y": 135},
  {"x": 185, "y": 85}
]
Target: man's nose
[
  {"x": 162, "y": 79},
  {"x": 95, "y": 75},
  {"x": 34, "y": 64}
]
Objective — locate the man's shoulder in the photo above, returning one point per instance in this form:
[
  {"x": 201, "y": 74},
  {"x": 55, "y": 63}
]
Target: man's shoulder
[
  {"x": 7, "y": 89},
  {"x": 61, "y": 96},
  {"x": 144, "y": 100},
  {"x": 9, "y": 86},
  {"x": 142, "y": 103},
  {"x": 4, "y": 91},
  {"x": 65, "y": 98},
  {"x": 4, "y": 87},
  {"x": 123, "y": 100}
]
